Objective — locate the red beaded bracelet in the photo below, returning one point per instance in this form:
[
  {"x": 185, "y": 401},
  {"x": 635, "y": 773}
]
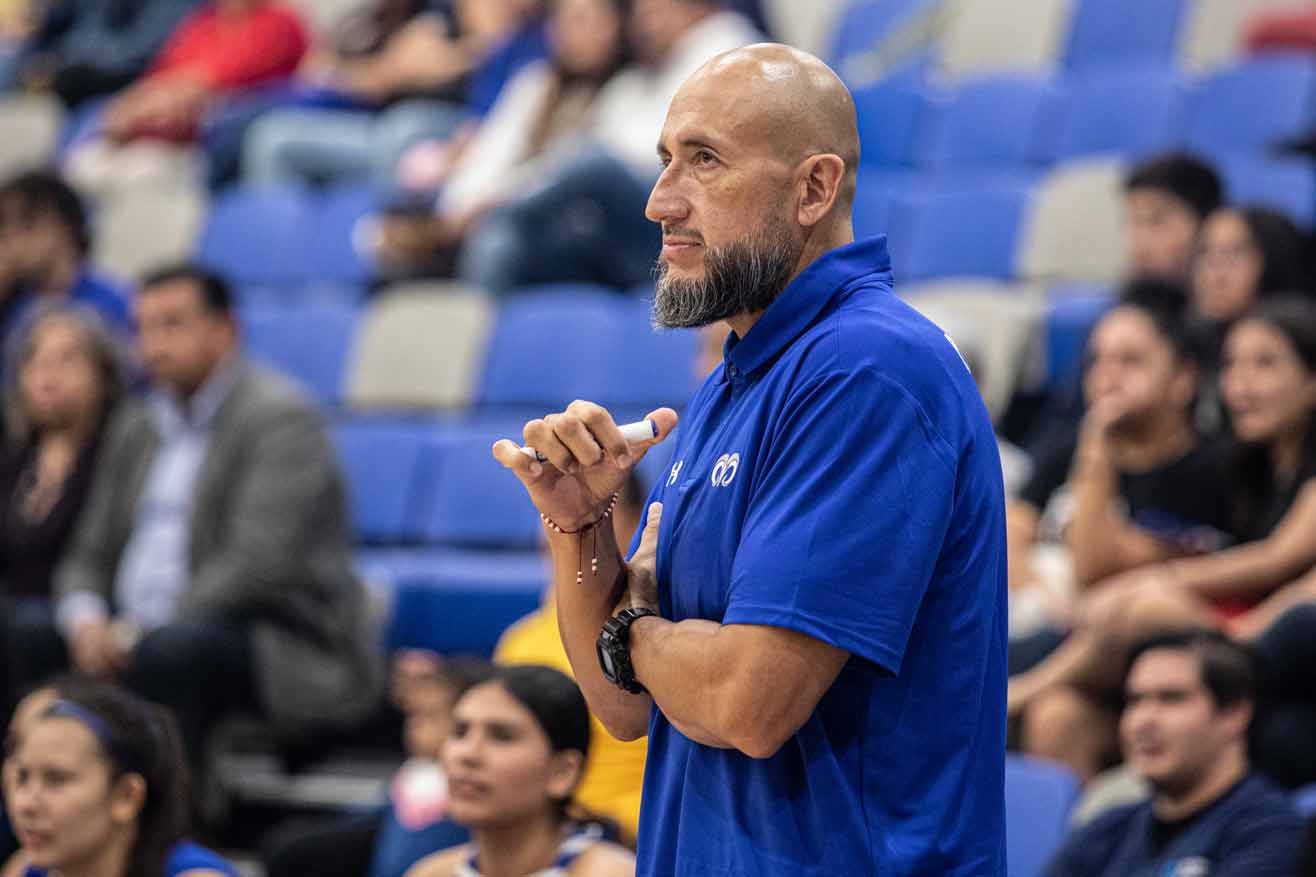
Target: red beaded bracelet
[{"x": 588, "y": 528}]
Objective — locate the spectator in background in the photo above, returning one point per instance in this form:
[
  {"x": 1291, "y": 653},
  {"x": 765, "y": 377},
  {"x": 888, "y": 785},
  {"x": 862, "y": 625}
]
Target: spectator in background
[
  {"x": 211, "y": 569},
  {"x": 45, "y": 243},
  {"x": 410, "y": 89},
  {"x": 584, "y": 220},
  {"x": 96, "y": 784},
  {"x": 65, "y": 383},
  {"x": 1167, "y": 199},
  {"x": 85, "y": 49},
  {"x": 614, "y": 771},
  {"x": 514, "y": 760},
  {"x": 543, "y": 109},
  {"x": 1188, "y": 700},
  {"x": 1246, "y": 254},
  {"x": 221, "y": 50},
  {"x": 1269, "y": 383}
]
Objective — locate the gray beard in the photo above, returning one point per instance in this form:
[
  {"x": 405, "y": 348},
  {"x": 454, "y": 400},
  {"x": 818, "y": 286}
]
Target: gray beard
[{"x": 743, "y": 277}]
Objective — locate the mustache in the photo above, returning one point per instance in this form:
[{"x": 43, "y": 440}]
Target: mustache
[{"x": 680, "y": 231}]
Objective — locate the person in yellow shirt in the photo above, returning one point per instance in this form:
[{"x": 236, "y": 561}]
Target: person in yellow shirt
[{"x": 614, "y": 771}]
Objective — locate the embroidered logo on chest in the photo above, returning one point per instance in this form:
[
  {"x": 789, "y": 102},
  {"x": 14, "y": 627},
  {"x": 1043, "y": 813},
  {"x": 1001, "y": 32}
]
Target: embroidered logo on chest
[{"x": 724, "y": 470}]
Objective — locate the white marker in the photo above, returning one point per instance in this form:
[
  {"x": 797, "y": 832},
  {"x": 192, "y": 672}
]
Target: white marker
[{"x": 639, "y": 431}]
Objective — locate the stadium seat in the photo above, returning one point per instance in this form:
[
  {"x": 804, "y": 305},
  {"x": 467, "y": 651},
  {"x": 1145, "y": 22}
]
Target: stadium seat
[
  {"x": 993, "y": 36},
  {"x": 260, "y": 236},
  {"x": 420, "y": 346},
  {"x": 1252, "y": 106},
  {"x": 1284, "y": 184},
  {"x": 1130, "y": 112},
  {"x": 889, "y": 114},
  {"x": 875, "y": 40},
  {"x": 993, "y": 325},
  {"x": 381, "y": 462},
  {"x": 876, "y": 190},
  {"x": 1213, "y": 33},
  {"x": 335, "y": 258},
  {"x": 141, "y": 229},
  {"x": 455, "y": 602},
  {"x": 550, "y": 346},
  {"x": 650, "y": 367},
  {"x": 1004, "y": 119},
  {"x": 1038, "y": 798},
  {"x": 969, "y": 231},
  {"x": 29, "y": 129},
  {"x": 309, "y": 344},
  {"x": 1072, "y": 313},
  {"x": 1074, "y": 227},
  {"x": 1108, "y": 35},
  {"x": 464, "y": 497}
]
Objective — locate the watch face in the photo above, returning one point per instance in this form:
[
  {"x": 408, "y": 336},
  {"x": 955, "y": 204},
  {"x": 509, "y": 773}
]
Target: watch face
[{"x": 609, "y": 666}]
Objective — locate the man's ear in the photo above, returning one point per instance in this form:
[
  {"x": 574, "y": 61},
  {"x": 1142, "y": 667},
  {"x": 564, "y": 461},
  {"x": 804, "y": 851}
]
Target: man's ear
[{"x": 820, "y": 186}]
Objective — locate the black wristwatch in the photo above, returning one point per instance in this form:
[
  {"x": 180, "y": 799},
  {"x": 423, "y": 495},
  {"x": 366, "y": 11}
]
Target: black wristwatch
[{"x": 614, "y": 648}]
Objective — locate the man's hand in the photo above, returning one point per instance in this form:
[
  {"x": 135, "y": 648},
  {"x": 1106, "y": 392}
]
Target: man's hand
[
  {"x": 642, "y": 571},
  {"x": 95, "y": 649},
  {"x": 588, "y": 461}
]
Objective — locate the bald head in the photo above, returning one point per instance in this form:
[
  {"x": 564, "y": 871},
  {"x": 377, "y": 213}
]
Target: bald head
[{"x": 780, "y": 96}]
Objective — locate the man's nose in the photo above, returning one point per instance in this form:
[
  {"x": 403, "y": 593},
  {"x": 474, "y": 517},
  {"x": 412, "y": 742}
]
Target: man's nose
[{"x": 665, "y": 202}]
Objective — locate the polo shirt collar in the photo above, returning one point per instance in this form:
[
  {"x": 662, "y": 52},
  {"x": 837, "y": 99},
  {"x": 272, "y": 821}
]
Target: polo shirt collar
[{"x": 804, "y": 298}]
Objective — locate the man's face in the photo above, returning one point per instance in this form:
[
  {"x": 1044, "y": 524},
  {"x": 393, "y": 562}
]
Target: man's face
[
  {"x": 180, "y": 340},
  {"x": 1162, "y": 233},
  {"x": 1135, "y": 367},
  {"x": 725, "y": 201},
  {"x": 1171, "y": 730},
  {"x": 31, "y": 240}
]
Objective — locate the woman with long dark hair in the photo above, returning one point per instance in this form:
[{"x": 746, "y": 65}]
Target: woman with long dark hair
[
  {"x": 96, "y": 785},
  {"x": 1247, "y": 254},
  {"x": 513, "y": 761}
]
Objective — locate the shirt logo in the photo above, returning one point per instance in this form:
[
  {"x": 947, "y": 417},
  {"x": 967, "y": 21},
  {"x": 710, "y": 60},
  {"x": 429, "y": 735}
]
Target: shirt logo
[
  {"x": 676, "y": 472},
  {"x": 724, "y": 471}
]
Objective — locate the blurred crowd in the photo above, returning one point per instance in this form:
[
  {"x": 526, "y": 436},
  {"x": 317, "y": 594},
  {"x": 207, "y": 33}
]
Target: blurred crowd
[{"x": 175, "y": 548}]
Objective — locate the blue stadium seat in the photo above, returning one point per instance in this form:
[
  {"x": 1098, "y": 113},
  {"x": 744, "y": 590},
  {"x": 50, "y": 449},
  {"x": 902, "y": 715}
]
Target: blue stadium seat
[
  {"x": 260, "y": 236},
  {"x": 1253, "y": 105},
  {"x": 309, "y": 344},
  {"x": 649, "y": 367},
  {"x": 1135, "y": 112},
  {"x": 550, "y": 345},
  {"x": 967, "y": 231},
  {"x": 884, "y": 39},
  {"x": 1006, "y": 119},
  {"x": 455, "y": 602},
  {"x": 335, "y": 259},
  {"x": 889, "y": 114},
  {"x": 381, "y": 461},
  {"x": 1038, "y": 798},
  {"x": 1109, "y": 34},
  {"x": 1073, "y": 312},
  {"x": 878, "y": 188},
  {"x": 1284, "y": 184},
  {"x": 464, "y": 497}
]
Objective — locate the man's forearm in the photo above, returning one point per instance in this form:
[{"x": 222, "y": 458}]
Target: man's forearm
[
  {"x": 582, "y": 610},
  {"x": 680, "y": 664}
]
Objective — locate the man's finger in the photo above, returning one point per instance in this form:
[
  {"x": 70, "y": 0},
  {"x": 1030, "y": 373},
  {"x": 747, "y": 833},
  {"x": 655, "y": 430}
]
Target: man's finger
[
  {"x": 577, "y": 438},
  {"x": 649, "y": 538},
  {"x": 508, "y": 453},
  {"x": 603, "y": 428},
  {"x": 664, "y": 421}
]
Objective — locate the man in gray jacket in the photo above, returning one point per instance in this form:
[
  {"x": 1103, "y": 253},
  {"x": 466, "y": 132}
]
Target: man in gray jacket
[{"x": 211, "y": 570}]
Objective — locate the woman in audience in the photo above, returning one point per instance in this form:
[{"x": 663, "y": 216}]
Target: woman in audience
[
  {"x": 1269, "y": 386},
  {"x": 1246, "y": 254},
  {"x": 64, "y": 381},
  {"x": 545, "y": 106},
  {"x": 513, "y": 761},
  {"x": 96, "y": 786}
]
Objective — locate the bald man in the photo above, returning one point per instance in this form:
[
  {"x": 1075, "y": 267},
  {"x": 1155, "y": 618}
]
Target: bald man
[{"x": 811, "y": 629}]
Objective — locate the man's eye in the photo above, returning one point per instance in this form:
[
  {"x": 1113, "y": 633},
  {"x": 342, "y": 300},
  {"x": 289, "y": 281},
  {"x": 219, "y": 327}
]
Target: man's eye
[{"x": 703, "y": 156}]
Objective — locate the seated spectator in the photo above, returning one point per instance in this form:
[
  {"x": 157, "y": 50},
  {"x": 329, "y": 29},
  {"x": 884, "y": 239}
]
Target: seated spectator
[
  {"x": 84, "y": 49},
  {"x": 1188, "y": 699},
  {"x": 1269, "y": 385},
  {"x": 513, "y": 761},
  {"x": 67, "y": 380},
  {"x": 547, "y": 104},
  {"x": 1168, "y": 199},
  {"x": 414, "y": 822},
  {"x": 614, "y": 771},
  {"x": 45, "y": 243},
  {"x": 211, "y": 569},
  {"x": 412, "y": 87},
  {"x": 603, "y": 185},
  {"x": 222, "y": 49},
  {"x": 96, "y": 784}
]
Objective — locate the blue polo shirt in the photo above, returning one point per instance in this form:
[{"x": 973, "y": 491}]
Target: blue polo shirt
[{"x": 838, "y": 476}]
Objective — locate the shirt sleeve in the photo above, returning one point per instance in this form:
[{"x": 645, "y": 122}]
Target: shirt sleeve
[
  {"x": 847, "y": 517},
  {"x": 1264, "y": 845}
]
